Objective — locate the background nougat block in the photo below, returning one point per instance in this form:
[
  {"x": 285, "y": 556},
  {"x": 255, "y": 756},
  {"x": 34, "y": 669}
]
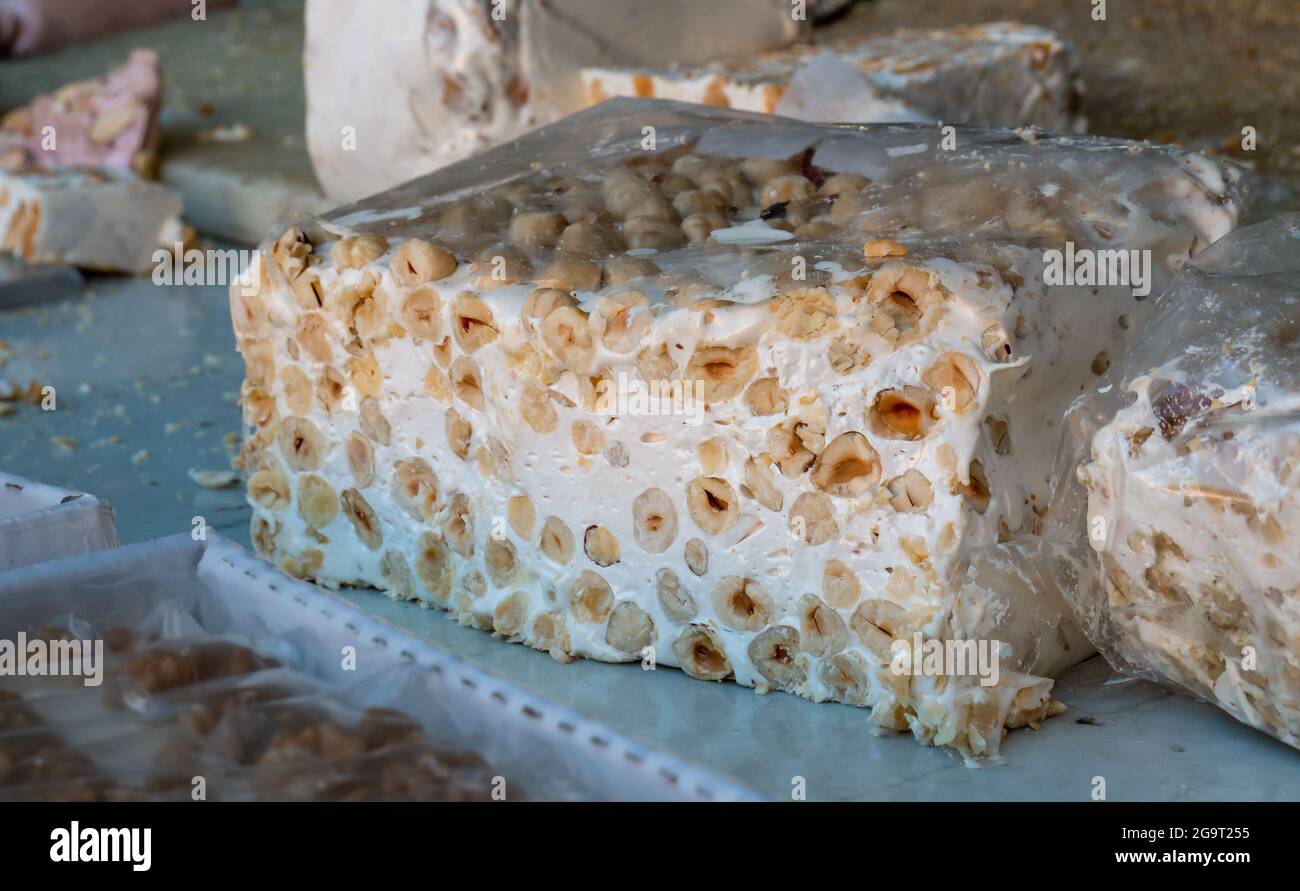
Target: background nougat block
[
  {"x": 1193, "y": 489},
  {"x": 417, "y": 84},
  {"x": 1001, "y": 74},
  {"x": 85, "y": 218},
  {"x": 441, "y": 384}
]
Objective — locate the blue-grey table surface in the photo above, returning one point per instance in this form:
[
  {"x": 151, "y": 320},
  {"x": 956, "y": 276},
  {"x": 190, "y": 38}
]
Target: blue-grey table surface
[{"x": 147, "y": 380}]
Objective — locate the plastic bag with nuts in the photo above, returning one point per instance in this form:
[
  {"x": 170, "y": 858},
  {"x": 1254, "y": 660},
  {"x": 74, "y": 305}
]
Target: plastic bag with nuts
[{"x": 1187, "y": 486}]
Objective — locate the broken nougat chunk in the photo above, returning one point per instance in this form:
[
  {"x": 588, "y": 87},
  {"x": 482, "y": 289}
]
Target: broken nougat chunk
[
  {"x": 85, "y": 218},
  {"x": 1002, "y": 74},
  {"x": 108, "y": 122},
  {"x": 729, "y": 402},
  {"x": 1194, "y": 489}
]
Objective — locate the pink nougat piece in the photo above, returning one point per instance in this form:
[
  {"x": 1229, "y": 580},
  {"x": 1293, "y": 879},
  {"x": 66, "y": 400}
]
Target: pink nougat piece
[{"x": 108, "y": 122}]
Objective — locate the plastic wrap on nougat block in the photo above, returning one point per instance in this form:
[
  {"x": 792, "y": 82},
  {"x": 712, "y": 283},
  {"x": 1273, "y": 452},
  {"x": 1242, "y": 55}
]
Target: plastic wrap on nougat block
[
  {"x": 1001, "y": 74},
  {"x": 1190, "y": 454},
  {"x": 762, "y": 400},
  {"x": 39, "y": 522}
]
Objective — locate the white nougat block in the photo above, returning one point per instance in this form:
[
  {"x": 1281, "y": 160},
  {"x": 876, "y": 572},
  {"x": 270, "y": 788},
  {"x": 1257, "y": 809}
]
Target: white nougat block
[
  {"x": 448, "y": 394},
  {"x": 87, "y": 219}
]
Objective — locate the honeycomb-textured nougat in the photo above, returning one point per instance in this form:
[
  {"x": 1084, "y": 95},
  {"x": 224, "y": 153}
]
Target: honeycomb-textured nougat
[
  {"x": 85, "y": 218},
  {"x": 752, "y": 397},
  {"x": 1194, "y": 488},
  {"x": 1002, "y": 74}
]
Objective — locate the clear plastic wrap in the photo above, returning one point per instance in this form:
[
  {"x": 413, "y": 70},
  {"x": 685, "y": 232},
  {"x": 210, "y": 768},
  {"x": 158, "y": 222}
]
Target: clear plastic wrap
[
  {"x": 1181, "y": 468},
  {"x": 870, "y": 361},
  {"x": 177, "y": 703},
  {"x": 40, "y": 522},
  {"x": 975, "y": 183}
]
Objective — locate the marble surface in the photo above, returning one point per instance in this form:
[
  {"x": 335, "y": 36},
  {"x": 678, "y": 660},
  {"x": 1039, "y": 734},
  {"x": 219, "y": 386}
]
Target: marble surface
[
  {"x": 141, "y": 368},
  {"x": 145, "y": 382}
]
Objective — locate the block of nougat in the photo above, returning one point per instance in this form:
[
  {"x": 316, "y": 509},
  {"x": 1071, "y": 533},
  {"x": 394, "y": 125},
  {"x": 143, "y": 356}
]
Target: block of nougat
[
  {"x": 108, "y": 122},
  {"x": 1193, "y": 489},
  {"x": 400, "y": 88},
  {"x": 748, "y": 401},
  {"x": 85, "y": 218},
  {"x": 1001, "y": 75}
]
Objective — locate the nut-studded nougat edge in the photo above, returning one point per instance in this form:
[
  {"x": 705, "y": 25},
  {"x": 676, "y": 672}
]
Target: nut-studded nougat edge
[{"x": 859, "y": 502}]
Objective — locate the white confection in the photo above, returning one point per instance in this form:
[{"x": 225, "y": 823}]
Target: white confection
[
  {"x": 1194, "y": 489},
  {"x": 87, "y": 219},
  {"x": 399, "y": 88},
  {"x": 874, "y": 418},
  {"x": 1202, "y": 561},
  {"x": 1002, "y": 74}
]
